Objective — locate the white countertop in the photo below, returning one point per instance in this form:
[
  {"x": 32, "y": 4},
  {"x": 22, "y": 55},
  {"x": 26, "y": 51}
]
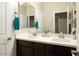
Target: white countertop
[{"x": 51, "y": 39}]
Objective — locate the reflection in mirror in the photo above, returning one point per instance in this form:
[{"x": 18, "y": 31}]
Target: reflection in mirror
[
  {"x": 23, "y": 13},
  {"x": 27, "y": 15},
  {"x": 31, "y": 16},
  {"x": 65, "y": 21}
]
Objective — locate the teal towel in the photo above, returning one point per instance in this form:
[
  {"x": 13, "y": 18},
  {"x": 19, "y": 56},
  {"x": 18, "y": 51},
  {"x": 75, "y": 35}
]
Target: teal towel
[
  {"x": 36, "y": 25},
  {"x": 16, "y": 23}
]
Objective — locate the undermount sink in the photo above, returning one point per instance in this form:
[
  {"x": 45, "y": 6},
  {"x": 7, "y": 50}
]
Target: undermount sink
[{"x": 61, "y": 39}]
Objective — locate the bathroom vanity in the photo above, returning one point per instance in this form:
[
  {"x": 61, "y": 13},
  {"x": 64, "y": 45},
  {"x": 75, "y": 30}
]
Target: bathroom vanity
[
  {"x": 28, "y": 48},
  {"x": 41, "y": 45},
  {"x": 31, "y": 43}
]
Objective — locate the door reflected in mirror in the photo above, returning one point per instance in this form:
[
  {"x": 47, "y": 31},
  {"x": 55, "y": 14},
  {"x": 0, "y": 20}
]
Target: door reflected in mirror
[
  {"x": 31, "y": 16},
  {"x": 61, "y": 22}
]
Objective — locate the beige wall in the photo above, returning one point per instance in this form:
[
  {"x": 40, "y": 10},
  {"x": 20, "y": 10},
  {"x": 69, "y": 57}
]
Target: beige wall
[
  {"x": 23, "y": 9},
  {"x": 48, "y": 9},
  {"x": 31, "y": 10}
]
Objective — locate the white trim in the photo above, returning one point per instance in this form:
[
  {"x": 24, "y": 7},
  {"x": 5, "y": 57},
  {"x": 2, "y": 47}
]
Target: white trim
[
  {"x": 28, "y": 17},
  {"x": 59, "y": 11},
  {"x": 77, "y": 28},
  {"x": 53, "y": 22},
  {"x": 67, "y": 20},
  {"x": 59, "y": 25}
]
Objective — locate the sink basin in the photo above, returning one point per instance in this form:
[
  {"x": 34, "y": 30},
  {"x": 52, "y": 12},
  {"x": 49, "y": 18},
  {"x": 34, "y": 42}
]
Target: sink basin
[
  {"x": 61, "y": 39},
  {"x": 56, "y": 38}
]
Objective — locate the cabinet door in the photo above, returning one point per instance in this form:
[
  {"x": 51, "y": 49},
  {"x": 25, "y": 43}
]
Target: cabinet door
[
  {"x": 39, "y": 52},
  {"x": 39, "y": 49},
  {"x": 23, "y": 49},
  {"x": 54, "y": 50}
]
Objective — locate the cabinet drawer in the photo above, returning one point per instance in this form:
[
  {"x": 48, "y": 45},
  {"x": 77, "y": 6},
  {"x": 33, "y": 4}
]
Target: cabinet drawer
[
  {"x": 25, "y": 51},
  {"x": 25, "y": 43},
  {"x": 39, "y": 46}
]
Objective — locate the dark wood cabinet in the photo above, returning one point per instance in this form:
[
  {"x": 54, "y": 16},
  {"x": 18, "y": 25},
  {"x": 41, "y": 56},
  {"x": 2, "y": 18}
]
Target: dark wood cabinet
[
  {"x": 53, "y": 50},
  {"x": 25, "y": 51},
  {"x": 39, "y": 49},
  {"x": 26, "y": 48}
]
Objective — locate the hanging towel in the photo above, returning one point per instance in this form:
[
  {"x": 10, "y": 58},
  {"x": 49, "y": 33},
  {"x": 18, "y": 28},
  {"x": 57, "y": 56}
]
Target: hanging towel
[
  {"x": 16, "y": 23},
  {"x": 36, "y": 24}
]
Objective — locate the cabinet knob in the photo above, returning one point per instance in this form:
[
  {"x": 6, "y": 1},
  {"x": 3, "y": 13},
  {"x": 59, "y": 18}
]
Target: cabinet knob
[{"x": 9, "y": 38}]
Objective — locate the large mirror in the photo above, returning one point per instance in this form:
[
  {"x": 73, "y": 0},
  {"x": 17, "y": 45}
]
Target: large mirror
[{"x": 57, "y": 17}]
